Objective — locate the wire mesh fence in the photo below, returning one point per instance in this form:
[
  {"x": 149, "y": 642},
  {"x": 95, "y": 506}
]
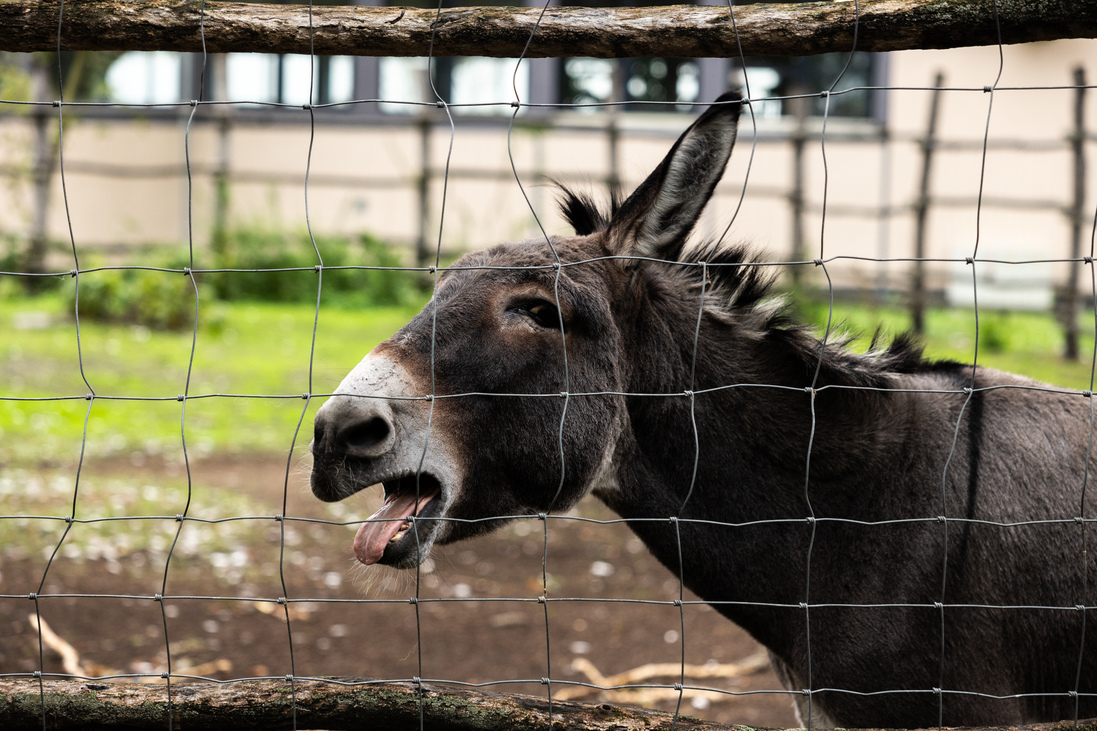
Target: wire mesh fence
[{"x": 170, "y": 570}]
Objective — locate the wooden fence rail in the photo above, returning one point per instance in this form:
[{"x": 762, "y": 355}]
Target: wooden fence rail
[{"x": 682, "y": 31}]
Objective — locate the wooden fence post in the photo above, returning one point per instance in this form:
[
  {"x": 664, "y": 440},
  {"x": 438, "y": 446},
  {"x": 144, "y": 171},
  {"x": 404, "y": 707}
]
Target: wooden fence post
[
  {"x": 801, "y": 109},
  {"x": 921, "y": 212},
  {"x": 1070, "y": 303}
]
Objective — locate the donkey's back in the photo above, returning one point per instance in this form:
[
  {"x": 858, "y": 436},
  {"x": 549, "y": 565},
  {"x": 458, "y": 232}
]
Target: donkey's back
[{"x": 973, "y": 573}]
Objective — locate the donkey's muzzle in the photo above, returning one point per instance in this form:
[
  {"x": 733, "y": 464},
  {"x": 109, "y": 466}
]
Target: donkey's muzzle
[{"x": 354, "y": 427}]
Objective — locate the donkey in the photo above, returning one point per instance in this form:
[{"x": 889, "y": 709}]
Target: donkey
[{"x": 903, "y": 535}]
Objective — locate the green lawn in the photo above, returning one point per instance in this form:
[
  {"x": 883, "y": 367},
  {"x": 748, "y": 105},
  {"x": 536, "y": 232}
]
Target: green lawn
[
  {"x": 1028, "y": 343},
  {"x": 249, "y": 350}
]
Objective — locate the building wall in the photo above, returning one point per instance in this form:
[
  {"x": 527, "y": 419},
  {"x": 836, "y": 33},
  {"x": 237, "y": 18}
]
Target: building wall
[{"x": 365, "y": 177}]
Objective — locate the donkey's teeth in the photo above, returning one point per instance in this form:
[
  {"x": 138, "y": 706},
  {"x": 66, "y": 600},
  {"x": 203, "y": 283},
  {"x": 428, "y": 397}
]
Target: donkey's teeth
[{"x": 400, "y": 533}]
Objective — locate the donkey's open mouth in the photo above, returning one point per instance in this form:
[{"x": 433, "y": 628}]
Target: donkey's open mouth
[{"x": 403, "y": 530}]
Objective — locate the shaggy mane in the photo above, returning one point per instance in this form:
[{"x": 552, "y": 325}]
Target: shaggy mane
[{"x": 739, "y": 288}]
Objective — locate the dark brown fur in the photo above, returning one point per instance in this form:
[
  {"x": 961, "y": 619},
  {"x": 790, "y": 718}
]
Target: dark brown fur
[{"x": 800, "y": 445}]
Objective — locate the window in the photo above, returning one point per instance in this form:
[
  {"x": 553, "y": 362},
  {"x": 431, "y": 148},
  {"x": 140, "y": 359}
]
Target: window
[
  {"x": 146, "y": 78},
  {"x": 466, "y": 80},
  {"x": 285, "y": 79}
]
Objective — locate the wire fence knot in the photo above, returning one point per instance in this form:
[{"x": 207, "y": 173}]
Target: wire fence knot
[
  {"x": 32, "y": 596},
  {"x": 1087, "y": 259},
  {"x": 1087, "y": 394},
  {"x": 988, "y": 89},
  {"x": 969, "y": 260},
  {"x": 158, "y": 597}
]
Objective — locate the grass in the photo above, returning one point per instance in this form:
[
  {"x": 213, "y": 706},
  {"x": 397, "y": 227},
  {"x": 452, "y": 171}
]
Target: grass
[
  {"x": 254, "y": 349},
  {"x": 1028, "y": 343},
  {"x": 246, "y": 350}
]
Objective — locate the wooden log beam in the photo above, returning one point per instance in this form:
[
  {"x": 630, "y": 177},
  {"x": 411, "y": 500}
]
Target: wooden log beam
[
  {"x": 340, "y": 703},
  {"x": 269, "y": 705},
  {"x": 682, "y": 31}
]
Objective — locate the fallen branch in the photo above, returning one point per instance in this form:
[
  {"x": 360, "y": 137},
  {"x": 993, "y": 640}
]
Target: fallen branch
[
  {"x": 73, "y": 665},
  {"x": 681, "y": 31},
  {"x": 70, "y": 658},
  {"x": 608, "y": 687}
]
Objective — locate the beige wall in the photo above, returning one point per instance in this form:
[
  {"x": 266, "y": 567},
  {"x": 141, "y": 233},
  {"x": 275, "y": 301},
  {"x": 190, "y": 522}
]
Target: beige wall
[{"x": 118, "y": 212}]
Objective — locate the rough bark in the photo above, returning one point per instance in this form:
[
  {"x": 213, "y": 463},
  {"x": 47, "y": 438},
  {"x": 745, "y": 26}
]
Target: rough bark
[
  {"x": 311, "y": 704},
  {"x": 269, "y": 705},
  {"x": 673, "y": 31}
]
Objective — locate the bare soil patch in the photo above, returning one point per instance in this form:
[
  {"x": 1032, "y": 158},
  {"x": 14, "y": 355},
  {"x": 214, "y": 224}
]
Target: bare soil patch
[{"x": 473, "y": 615}]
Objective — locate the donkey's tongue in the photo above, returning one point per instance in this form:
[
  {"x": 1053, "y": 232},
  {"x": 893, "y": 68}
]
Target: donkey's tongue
[{"x": 373, "y": 537}]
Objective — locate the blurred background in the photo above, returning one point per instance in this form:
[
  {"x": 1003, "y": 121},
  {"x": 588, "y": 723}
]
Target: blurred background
[{"x": 197, "y": 381}]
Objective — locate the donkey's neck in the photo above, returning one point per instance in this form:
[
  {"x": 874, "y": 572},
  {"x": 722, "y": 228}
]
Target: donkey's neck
[{"x": 736, "y": 451}]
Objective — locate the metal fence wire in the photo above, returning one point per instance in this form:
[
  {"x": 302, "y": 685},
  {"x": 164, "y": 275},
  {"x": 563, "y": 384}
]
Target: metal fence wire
[{"x": 286, "y": 603}]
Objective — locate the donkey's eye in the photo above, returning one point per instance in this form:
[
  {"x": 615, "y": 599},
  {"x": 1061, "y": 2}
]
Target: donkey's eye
[{"x": 542, "y": 312}]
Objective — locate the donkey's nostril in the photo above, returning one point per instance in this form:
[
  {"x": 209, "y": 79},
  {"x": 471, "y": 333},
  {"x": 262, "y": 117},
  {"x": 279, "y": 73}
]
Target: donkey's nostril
[{"x": 368, "y": 438}]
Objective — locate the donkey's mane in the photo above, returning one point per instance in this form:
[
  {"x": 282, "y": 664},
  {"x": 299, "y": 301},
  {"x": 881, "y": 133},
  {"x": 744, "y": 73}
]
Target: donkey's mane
[{"x": 739, "y": 288}]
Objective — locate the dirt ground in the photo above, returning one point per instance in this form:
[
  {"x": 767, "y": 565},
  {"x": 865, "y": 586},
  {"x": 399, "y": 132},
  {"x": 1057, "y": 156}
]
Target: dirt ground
[{"x": 476, "y": 618}]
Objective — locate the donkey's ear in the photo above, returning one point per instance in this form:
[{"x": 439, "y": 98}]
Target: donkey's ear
[{"x": 657, "y": 218}]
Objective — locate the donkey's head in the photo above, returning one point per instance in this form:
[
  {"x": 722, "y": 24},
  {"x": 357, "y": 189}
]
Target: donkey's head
[{"x": 467, "y": 412}]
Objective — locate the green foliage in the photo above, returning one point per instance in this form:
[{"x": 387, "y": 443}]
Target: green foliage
[
  {"x": 259, "y": 251},
  {"x": 149, "y": 297},
  {"x": 267, "y": 266}
]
